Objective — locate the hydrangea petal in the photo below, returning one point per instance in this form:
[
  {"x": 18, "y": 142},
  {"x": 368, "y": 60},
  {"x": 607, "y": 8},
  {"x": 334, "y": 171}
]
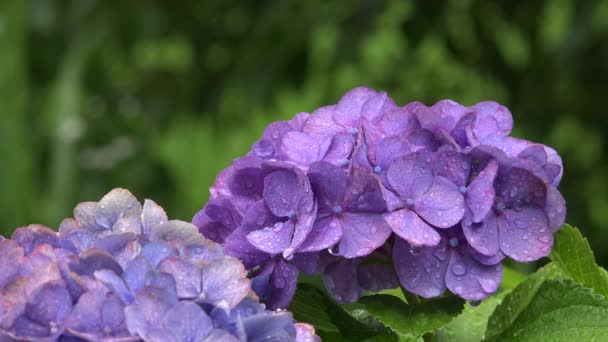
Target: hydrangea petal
[
  {"x": 362, "y": 233},
  {"x": 188, "y": 276},
  {"x": 329, "y": 184},
  {"x": 340, "y": 149},
  {"x": 377, "y": 277},
  {"x": 114, "y": 205},
  {"x": 340, "y": 279},
  {"x": 483, "y": 236},
  {"x": 225, "y": 281},
  {"x": 411, "y": 228},
  {"x": 274, "y": 239},
  {"x": 480, "y": 193},
  {"x": 421, "y": 270},
  {"x": 152, "y": 215},
  {"x": 300, "y": 148},
  {"x": 470, "y": 279},
  {"x": 283, "y": 283},
  {"x": 443, "y": 205},
  {"x": 524, "y": 234},
  {"x": 325, "y": 233},
  {"x": 186, "y": 321},
  {"x": 555, "y": 207},
  {"x": 286, "y": 192},
  {"x": 410, "y": 176},
  {"x": 348, "y": 109}
]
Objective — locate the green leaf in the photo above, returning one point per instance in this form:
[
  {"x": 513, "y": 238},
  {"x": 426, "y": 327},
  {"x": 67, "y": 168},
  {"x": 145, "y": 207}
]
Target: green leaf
[
  {"x": 312, "y": 305},
  {"x": 517, "y": 300},
  {"x": 407, "y": 320},
  {"x": 571, "y": 252},
  {"x": 470, "y": 325},
  {"x": 561, "y": 310},
  {"x": 511, "y": 278}
]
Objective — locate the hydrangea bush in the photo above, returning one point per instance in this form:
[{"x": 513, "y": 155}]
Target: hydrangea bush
[
  {"x": 120, "y": 271},
  {"x": 372, "y": 195}
]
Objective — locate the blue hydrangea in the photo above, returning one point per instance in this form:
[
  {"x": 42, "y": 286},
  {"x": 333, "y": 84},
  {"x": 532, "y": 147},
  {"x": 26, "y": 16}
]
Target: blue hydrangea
[
  {"x": 120, "y": 271},
  {"x": 442, "y": 194}
]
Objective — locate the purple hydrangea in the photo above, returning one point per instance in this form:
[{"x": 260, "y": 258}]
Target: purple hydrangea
[
  {"x": 324, "y": 193},
  {"x": 120, "y": 271}
]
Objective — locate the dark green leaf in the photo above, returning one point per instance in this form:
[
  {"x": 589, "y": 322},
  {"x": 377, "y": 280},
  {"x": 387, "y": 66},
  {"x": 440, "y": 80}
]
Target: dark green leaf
[
  {"x": 407, "y": 320},
  {"x": 471, "y": 324},
  {"x": 517, "y": 300},
  {"x": 561, "y": 310},
  {"x": 314, "y": 306},
  {"x": 571, "y": 252}
]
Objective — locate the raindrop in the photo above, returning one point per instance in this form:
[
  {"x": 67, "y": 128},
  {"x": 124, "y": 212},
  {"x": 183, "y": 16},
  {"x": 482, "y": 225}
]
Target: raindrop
[
  {"x": 544, "y": 238},
  {"x": 459, "y": 269},
  {"x": 474, "y": 303}
]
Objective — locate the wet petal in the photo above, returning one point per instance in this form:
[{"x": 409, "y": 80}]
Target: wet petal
[
  {"x": 321, "y": 125},
  {"x": 186, "y": 321},
  {"x": 348, "y": 109},
  {"x": 339, "y": 150},
  {"x": 31, "y": 236},
  {"x": 470, "y": 279},
  {"x": 282, "y": 286},
  {"x": 376, "y": 105},
  {"x": 329, "y": 184},
  {"x": 303, "y": 227},
  {"x": 452, "y": 165},
  {"x": 239, "y": 247},
  {"x": 362, "y": 233},
  {"x": 340, "y": 279},
  {"x": 225, "y": 281},
  {"x": 411, "y": 228},
  {"x": 421, "y": 270},
  {"x": 483, "y": 236},
  {"x": 152, "y": 215},
  {"x": 11, "y": 256},
  {"x": 480, "y": 193},
  {"x": 364, "y": 193},
  {"x": 443, "y": 205},
  {"x": 492, "y": 119},
  {"x": 555, "y": 207},
  {"x": 399, "y": 121},
  {"x": 410, "y": 176},
  {"x": 377, "y": 277},
  {"x": 524, "y": 234},
  {"x": 300, "y": 148},
  {"x": 274, "y": 239},
  {"x": 116, "y": 204},
  {"x": 389, "y": 149},
  {"x": 325, "y": 233},
  {"x": 287, "y": 192},
  {"x": 49, "y": 305},
  {"x": 188, "y": 276},
  {"x": 84, "y": 213}
]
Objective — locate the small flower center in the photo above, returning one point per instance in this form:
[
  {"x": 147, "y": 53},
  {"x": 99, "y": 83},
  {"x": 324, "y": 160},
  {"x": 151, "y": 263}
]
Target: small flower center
[
  {"x": 342, "y": 162},
  {"x": 499, "y": 208},
  {"x": 410, "y": 203},
  {"x": 291, "y": 215},
  {"x": 337, "y": 210},
  {"x": 353, "y": 131},
  {"x": 463, "y": 190},
  {"x": 453, "y": 242},
  {"x": 377, "y": 169}
]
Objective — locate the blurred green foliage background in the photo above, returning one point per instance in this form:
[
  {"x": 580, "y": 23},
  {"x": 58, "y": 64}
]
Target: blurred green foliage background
[{"x": 159, "y": 96}]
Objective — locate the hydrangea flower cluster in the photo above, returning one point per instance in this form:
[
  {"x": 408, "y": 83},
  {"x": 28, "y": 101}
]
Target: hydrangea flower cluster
[
  {"x": 441, "y": 193},
  {"x": 120, "y": 271}
]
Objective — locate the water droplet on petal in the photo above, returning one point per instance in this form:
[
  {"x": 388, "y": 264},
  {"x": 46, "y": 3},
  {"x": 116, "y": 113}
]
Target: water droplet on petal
[{"x": 458, "y": 269}]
